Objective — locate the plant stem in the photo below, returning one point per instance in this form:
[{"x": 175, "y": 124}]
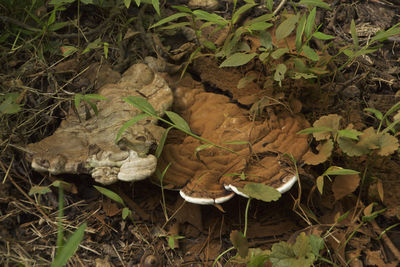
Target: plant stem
[
  {"x": 60, "y": 231},
  {"x": 246, "y": 214}
]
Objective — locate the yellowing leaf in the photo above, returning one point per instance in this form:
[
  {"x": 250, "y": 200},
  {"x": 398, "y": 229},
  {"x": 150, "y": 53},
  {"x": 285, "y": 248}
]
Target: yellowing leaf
[
  {"x": 324, "y": 152},
  {"x": 344, "y": 185},
  {"x": 388, "y": 144},
  {"x": 320, "y": 184}
]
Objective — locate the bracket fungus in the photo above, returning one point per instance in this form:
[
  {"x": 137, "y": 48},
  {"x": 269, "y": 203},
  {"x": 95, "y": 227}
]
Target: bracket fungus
[
  {"x": 254, "y": 150},
  {"x": 87, "y": 146}
]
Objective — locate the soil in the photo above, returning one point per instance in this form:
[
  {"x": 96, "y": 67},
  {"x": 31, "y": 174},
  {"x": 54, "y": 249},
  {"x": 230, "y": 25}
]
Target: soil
[{"x": 28, "y": 223}]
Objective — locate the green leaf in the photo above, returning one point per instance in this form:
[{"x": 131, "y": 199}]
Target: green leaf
[
  {"x": 127, "y": 3},
  {"x": 286, "y": 27},
  {"x": 168, "y": 19},
  {"x": 41, "y": 190},
  {"x": 183, "y": 9},
  {"x": 236, "y": 142},
  {"x": 110, "y": 194},
  {"x": 334, "y": 170},
  {"x": 200, "y": 148},
  {"x": 299, "y": 32},
  {"x": 280, "y": 73},
  {"x": 161, "y": 144},
  {"x": 320, "y": 184},
  {"x": 377, "y": 113},
  {"x": 178, "y": 121},
  {"x": 68, "y": 50},
  {"x": 310, "y": 23},
  {"x": 354, "y": 35},
  {"x": 245, "y": 80},
  {"x": 349, "y": 133},
  {"x": 204, "y": 15},
  {"x": 156, "y": 6},
  {"x": 59, "y": 25},
  {"x": 94, "y": 96},
  {"x": 317, "y": 243},
  {"x": 128, "y": 124},
  {"x": 126, "y": 212},
  {"x": 259, "y": 26},
  {"x": 70, "y": 247},
  {"x": 322, "y": 36},
  {"x": 240, "y": 11},
  {"x": 383, "y": 35},
  {"x": 142, "y": 104},
  {"x": 315, "y": 3},
  {"x": 239, "y": 241},
  {"x": 310, "y": 53},
  {"x": 279, "y": 52},
  {"x": 8, "y": 106},
  {"x": 394, "y": 108},
  {"x": 261, "y": 192},
  {"x": 237, "y": 59}
]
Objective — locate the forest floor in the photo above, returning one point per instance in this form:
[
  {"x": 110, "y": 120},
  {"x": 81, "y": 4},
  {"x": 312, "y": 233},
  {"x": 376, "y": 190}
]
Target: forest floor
[{"x": 196, "y": 235}]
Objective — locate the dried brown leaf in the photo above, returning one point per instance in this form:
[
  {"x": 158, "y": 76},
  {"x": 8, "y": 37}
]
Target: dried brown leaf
[
  {"x": 324, "y": 152},
  {"x": 331, "y": 121},
  {"x": 344, "y": 185}
]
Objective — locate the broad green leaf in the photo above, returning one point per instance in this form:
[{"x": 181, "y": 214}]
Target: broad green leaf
[
  {"x": 129, "y": 123},
  {"x": 137, "y": 2},
  {"x": 310, "y": 53},
  {"x": 237, "y": 59},
  {"x": 310, "y": 23},
  {"x": 259, "y": 26},
  {"x": 349, "y": 133},
  {"x": 61, "y": 2},
  {"x": 168, "y": 19},
  {"x": 126, "y": 212},
  {"x": 354, "y": 35},
  {"x": 204, "y": 15},
  {"x": 70, "y": 247},
  {"x": 93, "y": 45},
  {"x": 161, "y": 144},
  {"x": 300, "y": 31},
  {"x": 261, "y": 192},
  {"x": 178, "y": 121},
  {"x": 320, "y": 184},
  {"x": 239, "y": 241},
  {"x": 315, "y": 3},
  {"x": 8, "y": 106},
  {"x": 279, "y": 52},
  {"x": 110, "y": 194},
  {"x": 240, "y": 11},
  {"x": 280, "y": 73},
  {"x": 269, "y": 4},
  {"x": 300, "y": 75},
  {"x": 316, "y": 243},
  {"x": 334, "y": 170},
  {"x": 142, "y": 104},
  {"x": 322, "y": 36},
  {"x": 263, "y": 18},
  {"x": 286, "y": 27},
  {"x": 41, "y": 190}
]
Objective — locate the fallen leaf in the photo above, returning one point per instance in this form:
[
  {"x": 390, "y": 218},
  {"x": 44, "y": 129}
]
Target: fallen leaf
[
  {"x": 344, "y": 185},
  {"x": 324, "y": 152},
  {"x": 331, "y": 121}
]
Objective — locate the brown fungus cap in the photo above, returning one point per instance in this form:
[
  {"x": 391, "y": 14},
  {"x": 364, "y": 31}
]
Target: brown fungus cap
[{"x": 209, "y": 175}]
